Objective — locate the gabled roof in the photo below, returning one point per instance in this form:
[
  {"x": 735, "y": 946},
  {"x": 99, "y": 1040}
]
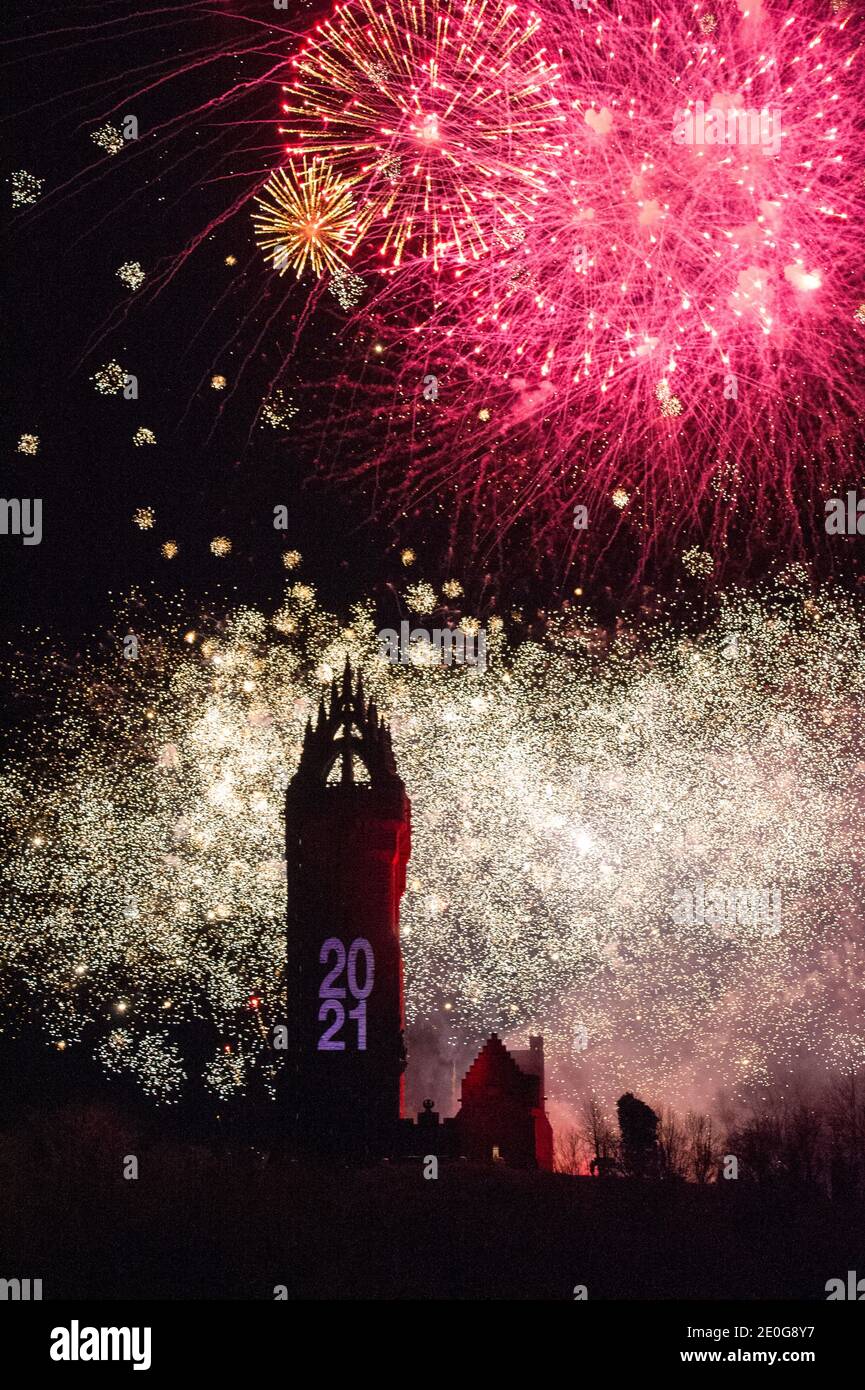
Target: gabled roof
[{"x": 494, "y": 1069}]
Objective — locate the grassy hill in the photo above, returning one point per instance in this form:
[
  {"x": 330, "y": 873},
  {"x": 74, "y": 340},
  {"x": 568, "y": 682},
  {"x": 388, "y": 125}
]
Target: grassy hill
[{"x": 202, "y": 1222}]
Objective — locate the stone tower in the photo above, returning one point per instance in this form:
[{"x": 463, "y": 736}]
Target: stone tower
[{"x": 348, "y": 840}]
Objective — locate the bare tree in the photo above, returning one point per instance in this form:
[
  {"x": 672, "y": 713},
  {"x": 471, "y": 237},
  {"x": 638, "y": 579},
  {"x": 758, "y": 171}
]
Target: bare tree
[
  {"x": 600, "y": 1139},
  {"x": 703, "y": 1148},
  {"x": 804, "y": 1149},
  {"x": 756, "y": 1142},
  {"x": 672, "y": 1145},
  {"x": 570, "y": 1151},
  {"x": 845, "y": 1122}
]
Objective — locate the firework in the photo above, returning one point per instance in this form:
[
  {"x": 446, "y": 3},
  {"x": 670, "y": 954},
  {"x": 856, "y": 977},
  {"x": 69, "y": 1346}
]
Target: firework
[
  {"x": 615, "y": 201},
  {"x": 671, "y": 406},
  {"x": 144, "y": 518},
  {"x": 25, "y": 188},
  {"x": 582, "y": 788},
  {"x": 391, "y": 167},
  {"x": 291, "y": 559},
  {"x": 153, "y": 1060},
  {"x": 421, "y": 597},
  {"x": 680, "y": 316},
  {"x": 132, "y": 275},
  {"x": 347, "y": 288},
  {"x": 142, "y": 436},
  {"x": 443, "y": 117},
  {"x": 277, "y": 409},
  {"x": 307, "y": 218},
  {"x": 108, "y": 138},
  {"x": 218, "y": 382},
  {"x": 28, "y": 444},
  {"x": 698, "y": 563},
  {"x": 220, "y": 545},
  {"x": 169, "y": 549},
  {"x": 109, "y": 379}
]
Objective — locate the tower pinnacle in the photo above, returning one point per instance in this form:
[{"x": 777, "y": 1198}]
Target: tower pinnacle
[{"x": 350, "y": 728}]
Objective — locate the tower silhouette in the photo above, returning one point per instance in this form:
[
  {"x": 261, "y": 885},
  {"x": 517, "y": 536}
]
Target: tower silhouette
[{"x": 348, "y": 840}]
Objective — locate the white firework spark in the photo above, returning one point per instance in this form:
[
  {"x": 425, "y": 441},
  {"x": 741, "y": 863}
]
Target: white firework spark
[{"x": 562, "y": 798}]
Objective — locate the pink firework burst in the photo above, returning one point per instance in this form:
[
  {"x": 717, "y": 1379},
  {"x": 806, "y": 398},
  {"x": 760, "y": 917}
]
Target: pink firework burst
[
  {"x": 605, "y": 257},
  {"x": 671, "y": 336}
]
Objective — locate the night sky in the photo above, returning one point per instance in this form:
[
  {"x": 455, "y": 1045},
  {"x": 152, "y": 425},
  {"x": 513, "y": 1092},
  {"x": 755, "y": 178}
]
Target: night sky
[
  {"x": 211, "y": 473},
  {"x": 673, "y": 697},
  {"x": 165, "y": 201}
]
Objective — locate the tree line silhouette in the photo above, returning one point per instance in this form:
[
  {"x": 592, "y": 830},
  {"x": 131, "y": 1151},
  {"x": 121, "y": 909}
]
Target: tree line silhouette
[{"x": 784, "y": 1140}]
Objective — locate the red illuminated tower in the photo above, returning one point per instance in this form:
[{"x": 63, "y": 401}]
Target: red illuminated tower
[{"x": 348, "y": 840}]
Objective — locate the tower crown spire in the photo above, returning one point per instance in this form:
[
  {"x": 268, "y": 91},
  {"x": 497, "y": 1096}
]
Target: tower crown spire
[{"x": 349, "y": 729}]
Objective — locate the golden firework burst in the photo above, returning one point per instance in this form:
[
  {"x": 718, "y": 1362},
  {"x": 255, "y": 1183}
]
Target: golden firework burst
[
  {"x": 697, "y": 562},
  {"x": 307, "y": 218},
  {"x": 421, "y": 598},
  {"x": 277, "y": 409},
  {"x": 132, "y": 274},
  {"x": 109, "y": 379},
  {"x": 671, "y": 406},
  {"x": 26, "y": 188},
  {"x": 108, "y": 138}
]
